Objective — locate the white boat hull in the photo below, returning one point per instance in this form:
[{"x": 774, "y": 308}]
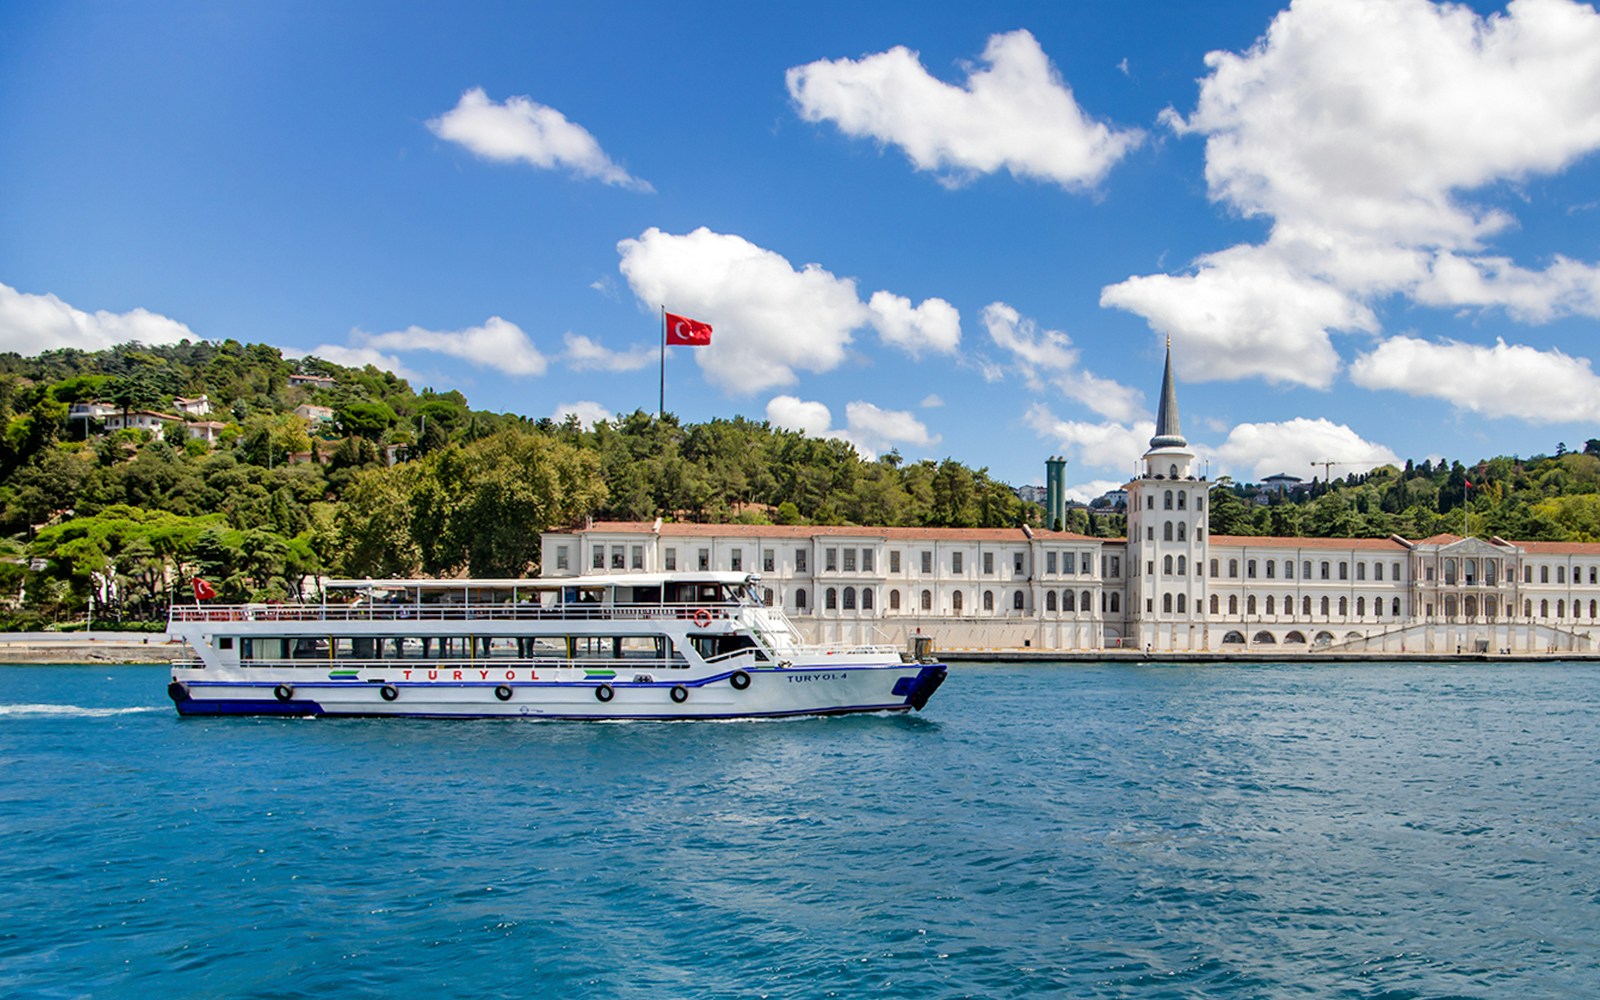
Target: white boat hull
[{"x": 767, "y": 692}]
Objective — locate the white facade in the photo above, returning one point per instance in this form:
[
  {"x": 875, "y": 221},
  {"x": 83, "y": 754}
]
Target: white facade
[{"x": 1168, "y": 587}]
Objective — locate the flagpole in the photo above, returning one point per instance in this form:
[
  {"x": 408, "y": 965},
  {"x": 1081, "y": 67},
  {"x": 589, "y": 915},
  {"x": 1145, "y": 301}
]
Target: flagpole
[{"x": 661, "y": 409}]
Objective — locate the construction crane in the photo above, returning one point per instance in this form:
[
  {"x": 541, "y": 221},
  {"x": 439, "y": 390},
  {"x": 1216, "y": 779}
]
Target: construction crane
[{"x": 1327, "y": 468}]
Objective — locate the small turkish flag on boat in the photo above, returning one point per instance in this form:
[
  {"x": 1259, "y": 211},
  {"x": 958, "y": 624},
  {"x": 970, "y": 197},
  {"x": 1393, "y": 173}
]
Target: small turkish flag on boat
[
  {"x": 203, "y": 591},
  {"x": 685, "y": 332}
]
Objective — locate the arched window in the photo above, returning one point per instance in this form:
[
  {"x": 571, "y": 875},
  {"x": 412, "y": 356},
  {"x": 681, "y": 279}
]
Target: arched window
[
  {"x": 1344, "y": 607},
  {"x": 1183, "y": 500},
  {"x": 849, "y": 598},
  {"x": 766, "y": 596},
  {"x": 1544, "y": 574},
  {"x": 1561, "y": 606},
  {"x": 1377, "y": 603},
  {"x": 1213, "y": 569},
  {"x": 1086, "y": 604},
  {"x": 1377, "y": 571},
  {"x": 894, "y": 600},
  {"x": 1361, "y": 607},
  {"x": 1271, "y": 606},
  {"x": 1233, "y": 639},
  {"x": 1166, "y": 500},
  {"x": 1395, "y": 610},
  {"x": 1216, "y": 604},
  {"x": 1544, "y": 609},
  {"x": 1561, "y": 577},
  {"x": 1449, "y": 572},
  {"x": 1324, "y": 569},
  {"x": 1527, "y": 609},
  {"x": 927, "y": 600},
  {"x": 1305, "y": 607},
  {"x": 1183, "y": 532},
  {"x": 1233, "y": 569},
  {"x": 1288, "y": 604},
  {"x": 1263, "y": 638},
  {"x": 830, "y": 599},
  {"x": 1305, "y": 570},
  {"x": 1166, "y": 565},
  {"x": 1183, "y": 603},
  {"x": 1172, "y": 471},
  {"x": 1016, "y": 601},
  {"x": 956, "y": 601},
  {"x": 800, "y": 599},
  {"x": 1067, "y": 603},
  {"x": 1049, "y": 600},
  {"x": 1250, "y": 605},
  {"x": 1324, "y": 604},
  {"x": 1166, "y": 532},
  {"x": 1361, "y": 571},
  {"x": 1183, "y": 563},
  {"x": 866, "y": 599},
  {"x": 1233, "y": 604},
  {"x": 1166, "y": 603},
  {"x": 988, "y": 600}
]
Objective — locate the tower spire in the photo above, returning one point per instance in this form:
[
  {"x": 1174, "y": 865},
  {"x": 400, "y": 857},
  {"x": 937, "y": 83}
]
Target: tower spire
[{"x": 1167, "y": 433}]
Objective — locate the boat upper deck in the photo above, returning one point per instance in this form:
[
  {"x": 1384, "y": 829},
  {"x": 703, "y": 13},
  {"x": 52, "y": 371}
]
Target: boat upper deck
[{"x": 696, "y": 597}]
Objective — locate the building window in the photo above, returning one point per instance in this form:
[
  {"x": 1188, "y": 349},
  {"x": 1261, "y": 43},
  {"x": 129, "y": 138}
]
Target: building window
[
  {"x": 1288, "y": 569},
  {"x": 1325, "y": 607},
  {"x": 866, "y": 598},
  {"x": 1233, "y": 604},
  {"x": 1166, "y": 532},
  {"x": 736, "y": 560},
  {"x": 830, "y": 599},
  {"x": 955, "y": 562},
  {"x": 849, "y": 598},
  {"x": 894, "y": 560},
  {"x": 599, "y": 557},
  {"x": 1270, "y": 608},
  {"x": 927, "y": 563},
  {"x": 1325, "y": 569},
  {"x": 1166, "y": 599},
  {"x": 1250, "y": 569},
  {"x": 800, "y": 599},
  {"x": 636, "y": 557},
  {"x": 988, "y": 564},
  {"x": 1183, "y": 566},
  {"x": 1377, "y": 571},
  {"x": 1016, "y": 600},
  {"x": 1016, "y": 563},
  {"x": 1183, "y": 532},
  {"x": 830, "y": 560},
  {"x": 1166, "y": 565},
  {"x": 1305, "y": 608},
  {"x": 768, "y": 560},
  {"x": 1344, "y": 571},
  {"x": 1183, "y": 602},
  {"x": 1233, "y": 569},
  {"x": 894, "y": 600},
  {"x": 1361, "y": 571},
  {"x": 617, "y": 557},
  {"x": 705, "y": 559},
  {"x": 1361, "y": 607},
  {"x": 672, "y": 560},
  {"x": 1250, "y": 605},
  {"x": 1213, "y": 569},
  {"x": 1067, "y": 602},
  {"x": 1544, "y": 577},
  {"x": 849, "y": 560},
  {"x": 927, "y": 600},
  {"x": 866, "y": 560},
  {"x": 766, "y": 596},
  {"x": 1116, "y": 603},
  {"x": 561, "y": 557},
  {"x": 957, "y": 602},
  {"x": 1561, "y": 577},
  {"x": 988, "y": 600},
  {"x": 1305, "y": 570},
  {"x": 1272, "y": 569},
  {"x": 1069, "y": 563},
  {"x": 1216, "y": 604},
  {"x": 1050, "y": 562},
  {"x": 1150, "y": 533},
  {"x": 1166, "y": 500}
]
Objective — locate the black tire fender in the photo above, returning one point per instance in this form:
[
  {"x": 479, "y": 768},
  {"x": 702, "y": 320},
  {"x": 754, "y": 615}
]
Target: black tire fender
[
  {"x": 604, "y": 693},
  {"x": 680, "y": 694},
  {"x": 740, "y": 680},
  {"x": 389, "y": 692},
  {"x": 283, "y": 692},
  {"x": 503, "y": 692}
]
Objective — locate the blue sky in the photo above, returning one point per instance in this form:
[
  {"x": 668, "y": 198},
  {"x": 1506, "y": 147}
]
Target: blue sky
[{"x": 1372, "y": 231}]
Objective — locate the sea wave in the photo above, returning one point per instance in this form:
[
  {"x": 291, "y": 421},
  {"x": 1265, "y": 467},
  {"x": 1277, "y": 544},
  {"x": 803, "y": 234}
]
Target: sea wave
[{"x": 73, "y": 711}]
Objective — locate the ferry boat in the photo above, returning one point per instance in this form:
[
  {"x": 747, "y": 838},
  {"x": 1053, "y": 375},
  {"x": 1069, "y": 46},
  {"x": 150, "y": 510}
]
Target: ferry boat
[{"x": 634, "y": 646}]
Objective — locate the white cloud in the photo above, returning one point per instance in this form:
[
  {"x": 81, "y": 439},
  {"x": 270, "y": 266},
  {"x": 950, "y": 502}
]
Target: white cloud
[
  {"x": 931, "y": 401},
  {"x": 1361, "y": 130},
  {"x": 523, "y": 129},
  {"x": 1499, "y": 381},
  {"x": 1047, "y": 356},
  {"x": 1093, "y": 489},
  {"x": 935, "y": 324},
  {"x": 794, "y": 414},
  {"x": 1016, "y": 114},
  {"x": 497, "y": 344},
  {"x": 587, "y": 411},
  {"x": 586, "y": 354},
  {"x": 32, "y": 323},
  {"x": 769, "y": 319},
  {"x": 1097, "y": 446},
  {"x": 870, "y": 428},
  {"x": 1243, "y": 313},
  {"x": 357, "y": 357},
  {"x": 1254, "y": 451}
]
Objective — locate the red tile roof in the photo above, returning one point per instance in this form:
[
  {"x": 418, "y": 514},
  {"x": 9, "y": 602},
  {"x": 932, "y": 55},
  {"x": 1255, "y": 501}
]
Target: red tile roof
[
  {"x": 681, "y": 529},
  {"x": 1273, "y": 542}
]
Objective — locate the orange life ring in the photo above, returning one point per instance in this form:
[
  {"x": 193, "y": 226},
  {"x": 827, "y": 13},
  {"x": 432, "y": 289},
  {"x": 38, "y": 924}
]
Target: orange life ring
[{"x": 702, "y": 618}]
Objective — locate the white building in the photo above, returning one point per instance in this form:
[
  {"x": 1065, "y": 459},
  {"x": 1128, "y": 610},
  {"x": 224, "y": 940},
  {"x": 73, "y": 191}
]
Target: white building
[{"x": 1169, "y": 586}]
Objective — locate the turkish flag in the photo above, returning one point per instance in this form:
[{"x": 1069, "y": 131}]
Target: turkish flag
[
  {"x": 685, "y": 332},
  {"x": 203, "y": 591}
]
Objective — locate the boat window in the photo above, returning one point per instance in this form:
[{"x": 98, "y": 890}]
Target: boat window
[
  {"x": 711, "y": 647},
  {"x": 618, "y": 647}
]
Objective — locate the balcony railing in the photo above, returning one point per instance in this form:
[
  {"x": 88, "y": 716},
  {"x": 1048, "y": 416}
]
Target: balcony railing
[{"x": 447, "y": 612}]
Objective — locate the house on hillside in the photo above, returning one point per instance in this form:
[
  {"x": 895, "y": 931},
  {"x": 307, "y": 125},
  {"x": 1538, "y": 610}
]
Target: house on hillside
[
  {"x": 199, "y": 406},
  {"x": 312, "y": 381}
]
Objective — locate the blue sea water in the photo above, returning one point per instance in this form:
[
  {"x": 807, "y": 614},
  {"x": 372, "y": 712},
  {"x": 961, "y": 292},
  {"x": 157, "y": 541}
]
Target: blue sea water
[{"x": 1082, "y": 831}]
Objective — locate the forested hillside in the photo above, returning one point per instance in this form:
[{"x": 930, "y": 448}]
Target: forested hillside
[{"x": 378, "y": 480}]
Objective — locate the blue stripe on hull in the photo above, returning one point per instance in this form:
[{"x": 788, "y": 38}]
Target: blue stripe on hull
[{"x": 306, "y": 708}]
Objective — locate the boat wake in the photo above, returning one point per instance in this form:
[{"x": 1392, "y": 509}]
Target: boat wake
[{"x": 72, "y": 711}]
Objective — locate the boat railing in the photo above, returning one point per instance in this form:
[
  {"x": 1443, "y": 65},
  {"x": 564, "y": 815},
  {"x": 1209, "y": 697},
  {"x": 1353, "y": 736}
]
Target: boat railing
[
  {"x": 379, "y": 611},
  {"x": 478, "y": 669},
  {"x": 843, "y": 649}
]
